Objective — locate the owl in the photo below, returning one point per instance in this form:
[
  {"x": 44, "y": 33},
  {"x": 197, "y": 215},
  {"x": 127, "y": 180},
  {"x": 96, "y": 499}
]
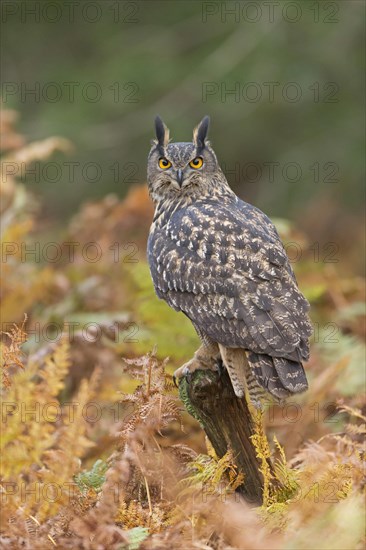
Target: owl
[{"x": 220, "y": 261}]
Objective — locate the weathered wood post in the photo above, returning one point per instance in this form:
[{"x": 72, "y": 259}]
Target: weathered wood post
[{"x": 209, "y": 397}]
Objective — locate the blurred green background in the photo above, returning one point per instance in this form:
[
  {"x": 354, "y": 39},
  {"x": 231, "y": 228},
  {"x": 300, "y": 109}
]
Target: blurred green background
[{"x": 291, "y": 137}]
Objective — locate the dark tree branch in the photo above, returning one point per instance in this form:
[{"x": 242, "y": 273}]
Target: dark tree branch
[{"x": 209, "y": 397}]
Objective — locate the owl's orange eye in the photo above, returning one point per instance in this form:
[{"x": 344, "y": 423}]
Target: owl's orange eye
[
  {"x": 196, "y": 163},
  {"x": 164, "y": 163}
]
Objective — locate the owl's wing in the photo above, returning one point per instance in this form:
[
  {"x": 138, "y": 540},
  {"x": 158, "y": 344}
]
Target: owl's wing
[{"x": 225, "y": 267}]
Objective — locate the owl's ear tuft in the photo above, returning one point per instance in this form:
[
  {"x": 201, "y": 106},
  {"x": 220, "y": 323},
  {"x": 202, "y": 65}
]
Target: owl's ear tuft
[
  {"x": 200, "y": 132},
  {"x": 162, "y": 132}
]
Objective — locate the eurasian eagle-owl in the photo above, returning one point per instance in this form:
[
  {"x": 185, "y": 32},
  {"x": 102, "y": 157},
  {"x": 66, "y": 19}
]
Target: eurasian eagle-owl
[{"x": 221, "y": 262}]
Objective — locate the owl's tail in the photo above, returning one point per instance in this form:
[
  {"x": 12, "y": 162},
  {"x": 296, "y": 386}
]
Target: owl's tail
[{"x": 279, "y": 376}]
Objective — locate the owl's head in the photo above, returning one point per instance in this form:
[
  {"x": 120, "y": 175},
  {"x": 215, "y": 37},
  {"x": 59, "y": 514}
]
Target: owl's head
[{"x": 177, "y": 170}]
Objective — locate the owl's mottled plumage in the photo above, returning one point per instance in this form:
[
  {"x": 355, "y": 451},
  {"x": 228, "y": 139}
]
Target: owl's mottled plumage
[{"x": 221, "y": 262}]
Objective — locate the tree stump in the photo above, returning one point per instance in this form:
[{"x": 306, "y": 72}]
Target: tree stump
[{"x": 209, "y": 397}]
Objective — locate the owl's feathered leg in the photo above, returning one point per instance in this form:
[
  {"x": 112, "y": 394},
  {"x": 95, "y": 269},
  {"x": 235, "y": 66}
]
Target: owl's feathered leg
[
  {"x": 241, "y": 375},
  {"x": 258, "y": 396},
  {"x": 206, "y": 357},
  {"x": 234, "y": 361}
]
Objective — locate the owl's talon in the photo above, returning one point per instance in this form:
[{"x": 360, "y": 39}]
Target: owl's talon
[
  {"x": 196, "y": 363},
  {"x": 182, "y": 372},
  {"x": 187, "y": 373}
]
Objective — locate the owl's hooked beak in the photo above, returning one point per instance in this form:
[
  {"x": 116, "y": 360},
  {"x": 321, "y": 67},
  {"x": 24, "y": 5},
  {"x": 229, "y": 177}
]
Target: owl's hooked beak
[{"x": 180, "y": 177}]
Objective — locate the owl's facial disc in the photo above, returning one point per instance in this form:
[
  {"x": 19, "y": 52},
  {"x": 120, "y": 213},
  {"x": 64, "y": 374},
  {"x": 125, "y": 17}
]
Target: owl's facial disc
[
  {"x": 176, "y": 162},
  {"x": 180, "y": 169}
]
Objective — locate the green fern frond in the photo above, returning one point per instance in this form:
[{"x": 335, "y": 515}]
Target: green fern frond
[{"x": 92, "y": 479}]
